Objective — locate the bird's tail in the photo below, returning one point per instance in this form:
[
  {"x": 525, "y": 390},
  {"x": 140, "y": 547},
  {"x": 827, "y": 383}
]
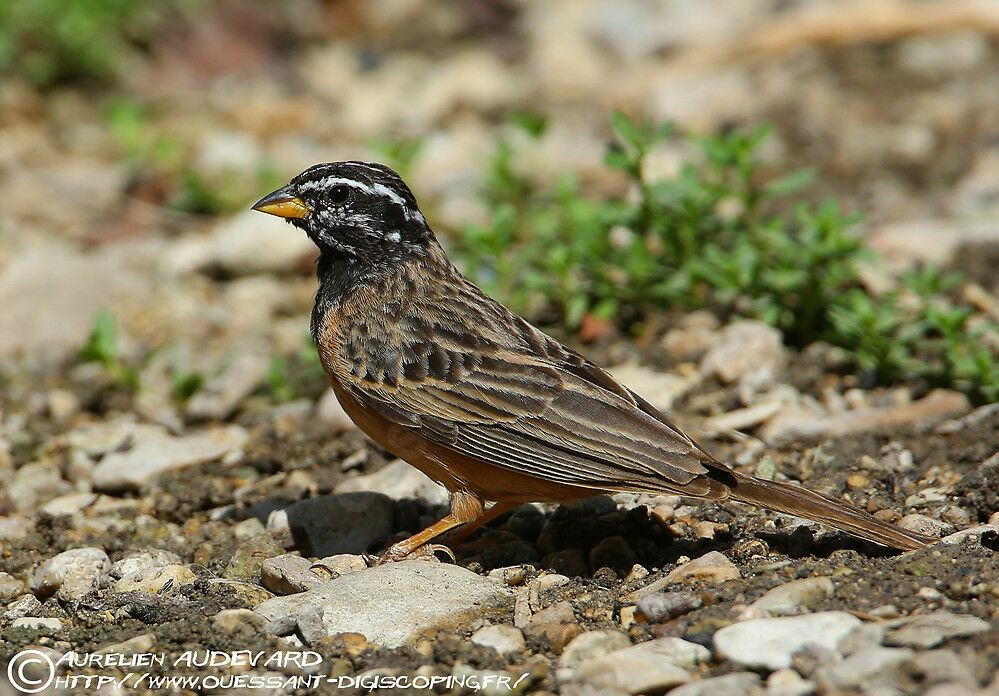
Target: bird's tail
[{"x": 802, "y": 502}]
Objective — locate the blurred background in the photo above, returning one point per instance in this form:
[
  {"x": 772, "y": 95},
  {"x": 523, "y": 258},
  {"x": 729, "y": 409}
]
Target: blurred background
[{"x": 606, "y": 168}]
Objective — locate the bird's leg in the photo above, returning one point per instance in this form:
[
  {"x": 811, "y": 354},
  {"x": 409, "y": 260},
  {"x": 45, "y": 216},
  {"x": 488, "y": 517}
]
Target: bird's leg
[
  {"x": 486, "y": 517},
  {"x": 465, "y": 508}
]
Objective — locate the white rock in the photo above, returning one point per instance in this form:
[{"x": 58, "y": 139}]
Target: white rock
[
  {"x": 329, "y": 411},
  {"x": 156, "y": 580},
  {"x": 10, "y": 587},
  {"x": 929, "y": 630},
  {"x": 865, "y": 669},
  {"x": 34, "y": 484},
  {"x": 737, "y": 684},
  {"x": 660, "y": 389},
  {"x": 502, "y": 638},
  {"x": 97, "y": 439},
  {"x": 743, "y": 348},
  {"x": 638, "y": 669},
  {"x": 71, "y": 574},
  {"x": 770, "y": 643},
  {"x": 398, "y": 480},
  {"x": 45, "y": 626},
  {"x": 136, "y": 468},
  {"x": 287, "y": 574},
  {"x": 787, "y": 682},
  {"x": 587, "y": 646},
  {"x": 394, "y": 603},
  {"x": 794, "y": 597},
  {"x": 69, "y": 503},
  {"x": 337, "y": 523},
  {"x": 249, "y": 243},
  {"x": 143, "y": 560},
  {"x": 220, "y": 395}
]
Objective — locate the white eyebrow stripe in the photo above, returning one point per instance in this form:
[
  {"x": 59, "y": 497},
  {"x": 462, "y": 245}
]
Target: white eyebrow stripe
[{"x": 380, "y": 189}]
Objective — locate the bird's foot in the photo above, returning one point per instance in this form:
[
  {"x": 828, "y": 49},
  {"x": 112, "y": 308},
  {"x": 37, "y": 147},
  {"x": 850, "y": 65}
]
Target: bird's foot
[{"x": 399, "y": 552}]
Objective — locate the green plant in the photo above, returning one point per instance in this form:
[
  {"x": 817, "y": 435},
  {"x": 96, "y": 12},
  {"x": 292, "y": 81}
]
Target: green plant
[
  {"x": 721, "y": 233},
  {"x": 102, "y": 347}
]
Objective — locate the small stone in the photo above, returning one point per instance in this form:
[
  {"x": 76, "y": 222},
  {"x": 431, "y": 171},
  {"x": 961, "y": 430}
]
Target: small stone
[
  {"x": 25, "y": 606},
  {"x": 556, "y": 624},
  {"x": 637, "y": 572},
  {"x": 712, "y": 567},
  {"x": 15, "y": 527},
  {"x": 743, "y": 348},
  {"x": 250, "y": 555},
  {"x": 135, "y": 469},
  {"x": 341, "y": 564},
  {"x": 737, "y": 684},
  {"x": 247, "y": 593},
  {"x": 502, "y": 638},
  {"x": 511, "y": 575},
  {"x": 143, "y": 560},
  {"x": 245, "y": 623},
  {"x": 157, "y": 580},
  {"x": 398, "y": 480},
  {"x": 34, "y": 484},
  {"x": 68, "y": 504},
  {"x": 330, "y": 412},
  {"x": 288, "y": 574},
  {"x": 770, "y": 643},
  {"x": 929, "y": 630},
  {"x": 663, "y": 606},
  {"x": 660, "y": 389},
  {"x": 393, "y": 603},
  {"x": 863, "y": 637},
  {"x": 973, "y": 533},
  {"x": 787, "y": 682},
  {"x": 11, "y": 588},
  {"x": 219, "y": 397},
  {"x": 250, "y": 527},
  {"x": 44, "y": 626},
  {"x": 72, "y": 574},
  {"x": 136, "y": 645},
  {"x": 336, "y": 523},
  {"x": 794, "y": 597},
  {"x": 676, "y": 651},
  {"x": 864, "y": 670},
  {"x": 589, "y": 645},
  {"x": 922, "y": 524},
  {"x": 61, "y": 404},
  {"x": 637, "y": 669}
]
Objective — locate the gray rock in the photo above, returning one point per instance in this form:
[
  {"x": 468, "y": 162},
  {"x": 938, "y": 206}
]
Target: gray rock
[
  {"x": 639, "y": 669},
  {"x": 863, "y": 670},
  {"x": 394, "y": 603},
  {"x": 10, "y": 587},
  {"x": 250, "y": 555},
  {"x": 794, "y": 597},
  {"x": 72, "y": 574},
  {"x": 930, "y": 630},
  {"x": 158, "y": 580},
  {"x": 336, "y": 523},
  {"x": 924, "y": 525},
  {"x": 863, "y": 637},
  {"x": 712, "y": 567},
  {"x": 676, "y": 651},
  {"x": 141, "y": 643},
  {"x": 143, "y": 560},
  {"x": 45, "y": 626},
  {"x": 787, "y": 682},
  {"x": 770, "y": 643},
  {"x": 502, "y": 638},
  {"x": 288, "y": 574},
  {"x": 220, "y": 395},
  {"x": 744, "y": 348},
  {"x": 243, "y": 622},
  {"x": 737, "y": 684},
  {"x": 34, "y": 484},
  {"x": 136, "y": 468},
  {"x": 25, "y": 606},
  {"x": 100, "y": 438},
  {"x": 662, "y": 606},
  {"x": 248, "y": 243},
  {"x": 69, "y": 504},
  {"x": 660, "y": 389},
  {"x": 587, "y": 646},
  {"x": 330, "y": 412},
  {"x": 398, "y": 480},
  {"x": 340, "y": 563},
  {"x": 15, "y": 527},
  {"x": 973, "y": 533}
]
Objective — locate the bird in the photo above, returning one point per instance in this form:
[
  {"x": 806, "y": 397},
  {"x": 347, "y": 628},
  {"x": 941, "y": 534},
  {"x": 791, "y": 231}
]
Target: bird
[{"x": 448, "y": 379}]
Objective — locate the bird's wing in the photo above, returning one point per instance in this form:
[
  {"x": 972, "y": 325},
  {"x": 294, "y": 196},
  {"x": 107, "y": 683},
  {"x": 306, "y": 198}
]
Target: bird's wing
[{"x": 563, "y": 420}]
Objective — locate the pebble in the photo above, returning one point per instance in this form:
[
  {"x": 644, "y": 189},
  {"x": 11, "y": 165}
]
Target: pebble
[
  {"x": 736, "y": 684},
  {"x": 662, "y": 606},
  {"x": 660, "y": 389},
  {"x": 336, "y": 523},
  {"x": 587, "y": 646},
  {"x": 711, "y": 567},
  {"x": 863, "y": 637},
  {"x": 393, "y": 603},
  {"x": 35, "y": 483},
  {"x": 245, "y": 592},
  {"x": 924, "y": 525},
  {"x": 288, "y": 574},
  {"x": 248, "y": 243},
  {"x": 794, "y": 597},
  {"x": 502, "y": 638},
  {"x": 744, "y": 348},
  {"x": 787, "y": 682},
  {"x": 330, "y": 412},
  {"x": 676, "y": 651},
  {"x": 511, "y": 575},
  {"x": 156, "y": 580},
  {"x": 25, "y": 606},
  {"x": 143, "y": 560},
  {"x": 637, "y": 669},
  {"x": 398, "y": 480},
  {"x": 863, "y": 670},
  {"x": 136, "y": 645},
  {"x": 250, "y": 555},
  {"x": 972, "y": 533},
  {"x": 71, "y": 574},
  {"x": 135, "y": 469},
  {"x": 929, "y": 630},
  {"x": 11, "y": 588},
  {"x": 556, "y": 624},
  {"x": 68, "y": 504},
  {"x": 219, "y": 397},
  {"x": 340, "y": 564},
  {"x": 245, "y": 623},
  {"x": 770, "y": 643},
  {"x": 46, "y": 626}
]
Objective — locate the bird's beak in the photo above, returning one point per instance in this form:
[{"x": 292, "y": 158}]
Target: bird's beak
[{"x": 283, "y": 203}]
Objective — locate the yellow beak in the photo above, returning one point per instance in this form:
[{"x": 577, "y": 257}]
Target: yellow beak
[{"x": 282, "y": 203}]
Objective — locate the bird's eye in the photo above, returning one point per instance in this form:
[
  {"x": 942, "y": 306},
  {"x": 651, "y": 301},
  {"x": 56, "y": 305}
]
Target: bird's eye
[{"x": 338, "y": 195}]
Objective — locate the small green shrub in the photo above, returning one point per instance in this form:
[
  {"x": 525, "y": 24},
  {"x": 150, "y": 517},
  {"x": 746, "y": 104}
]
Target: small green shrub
[{"x": 721, "y": 233}]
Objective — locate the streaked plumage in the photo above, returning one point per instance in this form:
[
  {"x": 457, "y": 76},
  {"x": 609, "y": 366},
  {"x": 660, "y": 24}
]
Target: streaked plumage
[{"x": 456, "y": 384}]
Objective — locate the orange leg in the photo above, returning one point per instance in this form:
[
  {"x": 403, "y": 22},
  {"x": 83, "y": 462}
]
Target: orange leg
[
  {"x": 465, "y": 508},
  {"x": 485, "y": 518}
]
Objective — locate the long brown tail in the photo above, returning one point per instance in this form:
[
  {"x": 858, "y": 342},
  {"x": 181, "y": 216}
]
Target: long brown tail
[{"x": 802, "y": 502}]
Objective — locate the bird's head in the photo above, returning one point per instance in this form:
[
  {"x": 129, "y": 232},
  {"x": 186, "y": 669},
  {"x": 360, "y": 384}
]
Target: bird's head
[{"x": 358, "y": 211}]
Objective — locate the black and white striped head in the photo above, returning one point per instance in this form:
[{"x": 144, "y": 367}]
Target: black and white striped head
[{"x": 359, "y": 211}]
